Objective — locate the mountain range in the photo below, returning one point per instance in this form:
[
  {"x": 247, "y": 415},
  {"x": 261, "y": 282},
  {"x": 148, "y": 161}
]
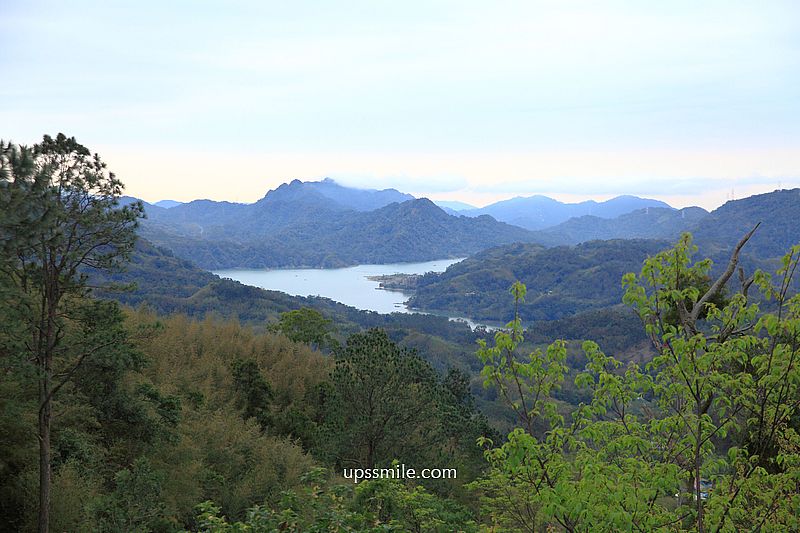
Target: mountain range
[
  {"x": 324, "y": 224},
  {"x": 564, "y": 280},
  {"x": 538, "y": 212},
  {"x": 647, "y": 223},
  {"x": 167, "y": 204},
  {"x": 320, "y": 224}
]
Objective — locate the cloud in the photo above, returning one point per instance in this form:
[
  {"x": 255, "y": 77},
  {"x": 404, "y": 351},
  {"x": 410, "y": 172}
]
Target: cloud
[
  {"x": 418, "y": 185},
  {"x": 603, "y": 186}
]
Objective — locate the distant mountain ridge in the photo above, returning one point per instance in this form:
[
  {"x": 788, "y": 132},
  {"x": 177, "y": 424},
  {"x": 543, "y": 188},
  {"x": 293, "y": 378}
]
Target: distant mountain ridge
[
  {"x": 167, "y": 204},
  {"x": 320, "y": 224},
  {"x": 647, "y": 223},
  {"x": 539, "y": 212},
  {"x": 452, "y": 206},
  {"x": 778, "y": 213},
  {"x": 290, "y": 199},
  {"x": 324, "y": 224},
  {"x": 287, "y": 204}
]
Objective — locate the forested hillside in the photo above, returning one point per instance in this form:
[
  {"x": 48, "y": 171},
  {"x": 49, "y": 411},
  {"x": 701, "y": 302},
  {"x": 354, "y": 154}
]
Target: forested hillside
[
  {"x": 649, "y": 223},
  {"x": 561, "y": 281},
  {"x": 777, "y": 212},
  {"x": 565, "y": 280},
  {"x": 166, "y": 284},
  {"x": 205, "y": 411}
]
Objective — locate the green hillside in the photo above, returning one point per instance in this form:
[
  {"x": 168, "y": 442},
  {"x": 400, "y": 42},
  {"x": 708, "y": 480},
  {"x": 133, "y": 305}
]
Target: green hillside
[
  {"x": 650, "y": 223},
  {"x": 561, "y": 281}
]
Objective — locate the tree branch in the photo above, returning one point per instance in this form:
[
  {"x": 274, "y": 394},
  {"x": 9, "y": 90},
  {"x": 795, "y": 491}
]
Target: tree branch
[{"x": 723, "y": 279}]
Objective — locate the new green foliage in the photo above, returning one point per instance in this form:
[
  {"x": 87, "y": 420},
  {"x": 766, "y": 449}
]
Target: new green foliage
[
  {"x": 718, "y": 403},
  {"x": 320, "y": 505},
  {"x": 305, "y": 325}
]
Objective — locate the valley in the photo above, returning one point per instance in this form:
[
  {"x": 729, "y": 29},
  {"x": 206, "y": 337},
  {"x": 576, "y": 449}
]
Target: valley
[
  {"x": 569, "y": 265},
  {"x": 383, "y": 267},
  {"x": 208, "y": 271}
]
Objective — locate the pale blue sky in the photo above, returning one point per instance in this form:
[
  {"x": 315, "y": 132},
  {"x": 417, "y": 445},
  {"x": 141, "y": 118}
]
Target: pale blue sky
[{"x": 474, "y": 101}]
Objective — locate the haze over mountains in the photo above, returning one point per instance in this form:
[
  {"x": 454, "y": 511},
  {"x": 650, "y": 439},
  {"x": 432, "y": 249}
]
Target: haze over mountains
[
  {"x": 166, "y": 204},
  {"x": 324, "y": 224},
  {"x": 532, "y": 212},
  {"x": 538, "y": 212},
  {"x": 453, "y": 207},
  {"x": 647, "y": 223},
  {"x": 565, "y": 280},
  {"x": 320, "y": 224}
]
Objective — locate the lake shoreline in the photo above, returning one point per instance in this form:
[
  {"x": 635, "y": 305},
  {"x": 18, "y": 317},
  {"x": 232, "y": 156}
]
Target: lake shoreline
[
  {"x": 358, "y": 286},
  {"x": 350, "y": 285}
]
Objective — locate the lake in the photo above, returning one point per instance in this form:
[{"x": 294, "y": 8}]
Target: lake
[{"x": 349, "y": 286}]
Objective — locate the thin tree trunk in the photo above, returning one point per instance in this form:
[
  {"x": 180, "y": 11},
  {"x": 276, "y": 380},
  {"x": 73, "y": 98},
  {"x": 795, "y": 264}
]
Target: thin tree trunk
[
  {"x": 697, "y": 488},
  {"x": 46, "y": 402},
  {"x": 44, "y": 451},
  {"x": 371, "y": 454}
]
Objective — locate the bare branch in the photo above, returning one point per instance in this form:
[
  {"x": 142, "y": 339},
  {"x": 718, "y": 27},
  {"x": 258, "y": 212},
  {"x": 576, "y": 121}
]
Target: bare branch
[{"x": 722, "y": 280}]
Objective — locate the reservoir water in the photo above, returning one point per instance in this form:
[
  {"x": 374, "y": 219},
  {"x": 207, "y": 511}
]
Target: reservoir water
[{"x": 349, "y": 286}]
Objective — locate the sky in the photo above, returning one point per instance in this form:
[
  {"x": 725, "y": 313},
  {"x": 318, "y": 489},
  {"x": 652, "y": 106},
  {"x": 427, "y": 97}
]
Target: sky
[{"x": 690, "y": 102}]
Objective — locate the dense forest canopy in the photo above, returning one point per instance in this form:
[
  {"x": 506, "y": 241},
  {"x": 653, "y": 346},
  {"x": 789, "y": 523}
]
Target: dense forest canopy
[{"x": 562, "y": 281}]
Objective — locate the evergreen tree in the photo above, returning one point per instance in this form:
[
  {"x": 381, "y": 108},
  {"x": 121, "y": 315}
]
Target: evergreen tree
[{"x": 59, "y": 217}]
